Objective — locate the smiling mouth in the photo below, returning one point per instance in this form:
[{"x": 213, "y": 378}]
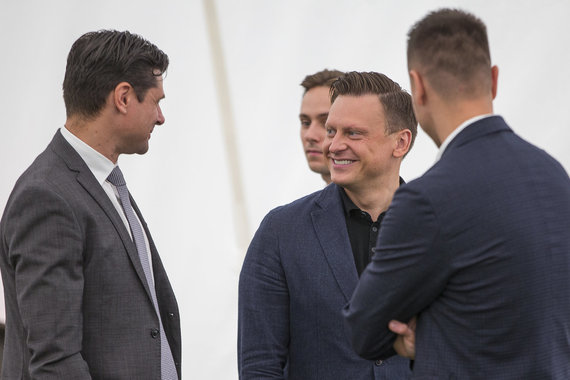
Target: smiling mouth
[{"x": 342, "y": 162}]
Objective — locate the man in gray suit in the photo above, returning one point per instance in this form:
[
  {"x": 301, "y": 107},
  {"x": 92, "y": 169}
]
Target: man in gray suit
[{"x": 87, "y": 296}]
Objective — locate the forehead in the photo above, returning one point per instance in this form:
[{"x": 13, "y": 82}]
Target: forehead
[
  {"x": 363, "y": 109},
  {"x": 158, "y": 90},
  {"x": 316, "y": 100}
]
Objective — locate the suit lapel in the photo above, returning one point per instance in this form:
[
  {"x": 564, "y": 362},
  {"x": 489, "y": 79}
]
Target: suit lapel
[
  {"x": 93, "y": 188},
  {"x": 330, "y": 226}
]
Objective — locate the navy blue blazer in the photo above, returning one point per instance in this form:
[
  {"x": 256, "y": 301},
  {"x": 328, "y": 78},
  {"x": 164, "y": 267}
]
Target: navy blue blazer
[
  {"x": 479, "y": 247},
  {"x": 298, "y": 274}
]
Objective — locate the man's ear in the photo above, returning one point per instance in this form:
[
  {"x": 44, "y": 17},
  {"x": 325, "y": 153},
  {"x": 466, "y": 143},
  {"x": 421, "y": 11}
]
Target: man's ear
[
  {"x": 495, "y": 78},
  {"x": 418, "y": 87},
  {"x": 122, "y": 96},
  {"x": 402, "y": 143}
]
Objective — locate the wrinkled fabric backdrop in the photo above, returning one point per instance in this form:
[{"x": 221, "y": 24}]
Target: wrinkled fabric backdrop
[{"x": 230, "y": 150}]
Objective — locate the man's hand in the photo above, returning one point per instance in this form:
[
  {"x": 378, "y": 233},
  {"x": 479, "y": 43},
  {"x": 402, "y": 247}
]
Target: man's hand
[{"x": 405, "y": 344}]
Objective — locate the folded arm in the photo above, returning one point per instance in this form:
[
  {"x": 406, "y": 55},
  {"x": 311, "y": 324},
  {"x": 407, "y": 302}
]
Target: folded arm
[{"x": 407, "y": 272}]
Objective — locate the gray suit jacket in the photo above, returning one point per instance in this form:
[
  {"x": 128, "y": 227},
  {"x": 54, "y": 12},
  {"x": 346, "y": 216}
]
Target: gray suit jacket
[
  {"x": 298, "y": 274},
  {"x": 77, "y": 302}
]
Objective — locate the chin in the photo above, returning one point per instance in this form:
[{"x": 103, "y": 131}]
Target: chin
[
  {"x": 143, "y": 149},
  {"x": 321, "y": 169},
  {"x": 338, "y": 181}
]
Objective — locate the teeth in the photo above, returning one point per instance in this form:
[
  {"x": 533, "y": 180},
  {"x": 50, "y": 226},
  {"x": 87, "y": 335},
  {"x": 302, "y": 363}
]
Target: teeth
[{"x": 342, "y": 162}]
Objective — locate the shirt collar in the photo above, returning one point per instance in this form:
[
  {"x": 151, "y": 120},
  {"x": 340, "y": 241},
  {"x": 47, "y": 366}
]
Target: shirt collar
[
  {"x": 348, "y": 204},
  {"x": 99, "y": 165},
  {"x": 457, "y": 130}
]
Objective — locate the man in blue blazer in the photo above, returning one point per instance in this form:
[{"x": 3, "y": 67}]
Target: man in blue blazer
[
  {"x": 478, "y": 248},
  {"x": 304, "y": 261}
]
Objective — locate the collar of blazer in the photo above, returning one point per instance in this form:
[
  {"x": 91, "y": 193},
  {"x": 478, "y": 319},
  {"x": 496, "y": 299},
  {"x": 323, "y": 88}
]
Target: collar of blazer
[{"x": 480, "y": 128}]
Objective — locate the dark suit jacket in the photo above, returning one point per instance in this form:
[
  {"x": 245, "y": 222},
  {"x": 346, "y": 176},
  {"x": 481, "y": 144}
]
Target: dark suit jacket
[
  {"x": 77, "y": 302},
  {"x": 479, "y": 247},
  {"x": 298, "y": 273}
]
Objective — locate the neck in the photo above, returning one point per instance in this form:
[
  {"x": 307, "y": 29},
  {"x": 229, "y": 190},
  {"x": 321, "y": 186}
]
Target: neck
[
  {"x": 326, "y": 178},
  {"x": 93, "y": 133},
  {"x": 454, "y": 114},
  {"x": 377, "y": 198}
]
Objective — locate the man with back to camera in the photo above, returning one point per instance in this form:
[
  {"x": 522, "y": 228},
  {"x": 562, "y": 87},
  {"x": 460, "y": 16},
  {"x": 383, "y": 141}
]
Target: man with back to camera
[
  {"x": 314, "y": 111},
  {"x": 479, "y": 246},
  {"x": 305, "y": 259},
  {"x": 87, "y": 296}
]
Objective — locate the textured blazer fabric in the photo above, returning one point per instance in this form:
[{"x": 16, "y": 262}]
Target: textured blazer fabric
[
  {"x": 479, "y": 248},
  {"x": 298, "y": 274},
  {"x": 77, "y": 302}
]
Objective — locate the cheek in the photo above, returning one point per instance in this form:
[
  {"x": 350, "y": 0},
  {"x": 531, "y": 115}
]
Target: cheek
[{"x": 326, "y": 144}]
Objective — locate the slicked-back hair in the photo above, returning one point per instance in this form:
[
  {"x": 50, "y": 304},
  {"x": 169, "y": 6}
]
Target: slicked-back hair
[
  {"x": 322, "y": 78},
  {"x": 99, "y": 61},
  {"x": 451, "y": 48},
  {"x": 397, "y": 103}
]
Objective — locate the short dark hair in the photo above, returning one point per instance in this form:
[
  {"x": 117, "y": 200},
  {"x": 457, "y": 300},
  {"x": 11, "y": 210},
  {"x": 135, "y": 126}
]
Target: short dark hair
[
  {"x": 397, "y": 103},
  {"x": 98, "y": 61},
  {"x": 452, "y": 49},
  {"x": 321, "y": 78}
]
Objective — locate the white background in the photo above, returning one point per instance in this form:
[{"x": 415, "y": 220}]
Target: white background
[{"x": 183, "y": 185}]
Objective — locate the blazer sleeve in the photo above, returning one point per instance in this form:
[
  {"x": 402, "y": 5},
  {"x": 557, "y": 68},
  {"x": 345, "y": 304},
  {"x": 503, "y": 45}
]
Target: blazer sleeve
[
  {"x": 263, "y": 315},
  {"x": 45, "y": 245},
  {"x": 407, "y": 272}
]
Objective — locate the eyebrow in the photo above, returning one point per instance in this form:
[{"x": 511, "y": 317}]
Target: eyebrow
[{"x": 319, "y": 115}]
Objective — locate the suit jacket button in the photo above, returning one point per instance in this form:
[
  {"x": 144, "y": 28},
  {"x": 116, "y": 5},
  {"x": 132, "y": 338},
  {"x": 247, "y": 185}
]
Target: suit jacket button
[
  {"x": 154, "y": 333},
  {"x": 171, "y": 315},
  {"x": 378, "y": 362}
]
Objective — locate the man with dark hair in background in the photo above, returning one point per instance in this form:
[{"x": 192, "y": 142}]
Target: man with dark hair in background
[
  {"x": 479, "y": 246},
  {"x": 86, "y": 293},
  {"x": 305, "y": 259},
  {"x": 314, "y": 111}
]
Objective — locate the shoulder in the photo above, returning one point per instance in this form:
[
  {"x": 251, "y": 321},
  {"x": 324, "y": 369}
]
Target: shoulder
[
  {"x": 46, "y": 174},
  {"x": 44, "y": 185},
  {"x": 304, "y": 206},
  {"x": 292, "y": 223}
]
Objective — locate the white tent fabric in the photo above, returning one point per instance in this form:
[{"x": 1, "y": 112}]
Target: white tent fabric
[{"x": 267, "y": 48}]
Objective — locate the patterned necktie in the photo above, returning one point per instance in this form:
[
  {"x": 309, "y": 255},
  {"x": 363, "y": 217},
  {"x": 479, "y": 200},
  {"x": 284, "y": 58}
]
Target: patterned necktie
[{"x": 167, "y": 367}]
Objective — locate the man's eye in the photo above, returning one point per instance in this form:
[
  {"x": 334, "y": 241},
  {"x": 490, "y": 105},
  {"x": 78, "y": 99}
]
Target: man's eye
[
  {"x": 305, "y": 123},
  {"x": 330, "y": 132}
]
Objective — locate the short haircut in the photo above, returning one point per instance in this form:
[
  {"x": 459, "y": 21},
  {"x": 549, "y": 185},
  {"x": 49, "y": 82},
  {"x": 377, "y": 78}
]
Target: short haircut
[
  {"x": 397, "y": 103},
  {"x": 322, "y": 78},
  {"x": 99, "y": 61},
  {"x": 451, "y": 48}
]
